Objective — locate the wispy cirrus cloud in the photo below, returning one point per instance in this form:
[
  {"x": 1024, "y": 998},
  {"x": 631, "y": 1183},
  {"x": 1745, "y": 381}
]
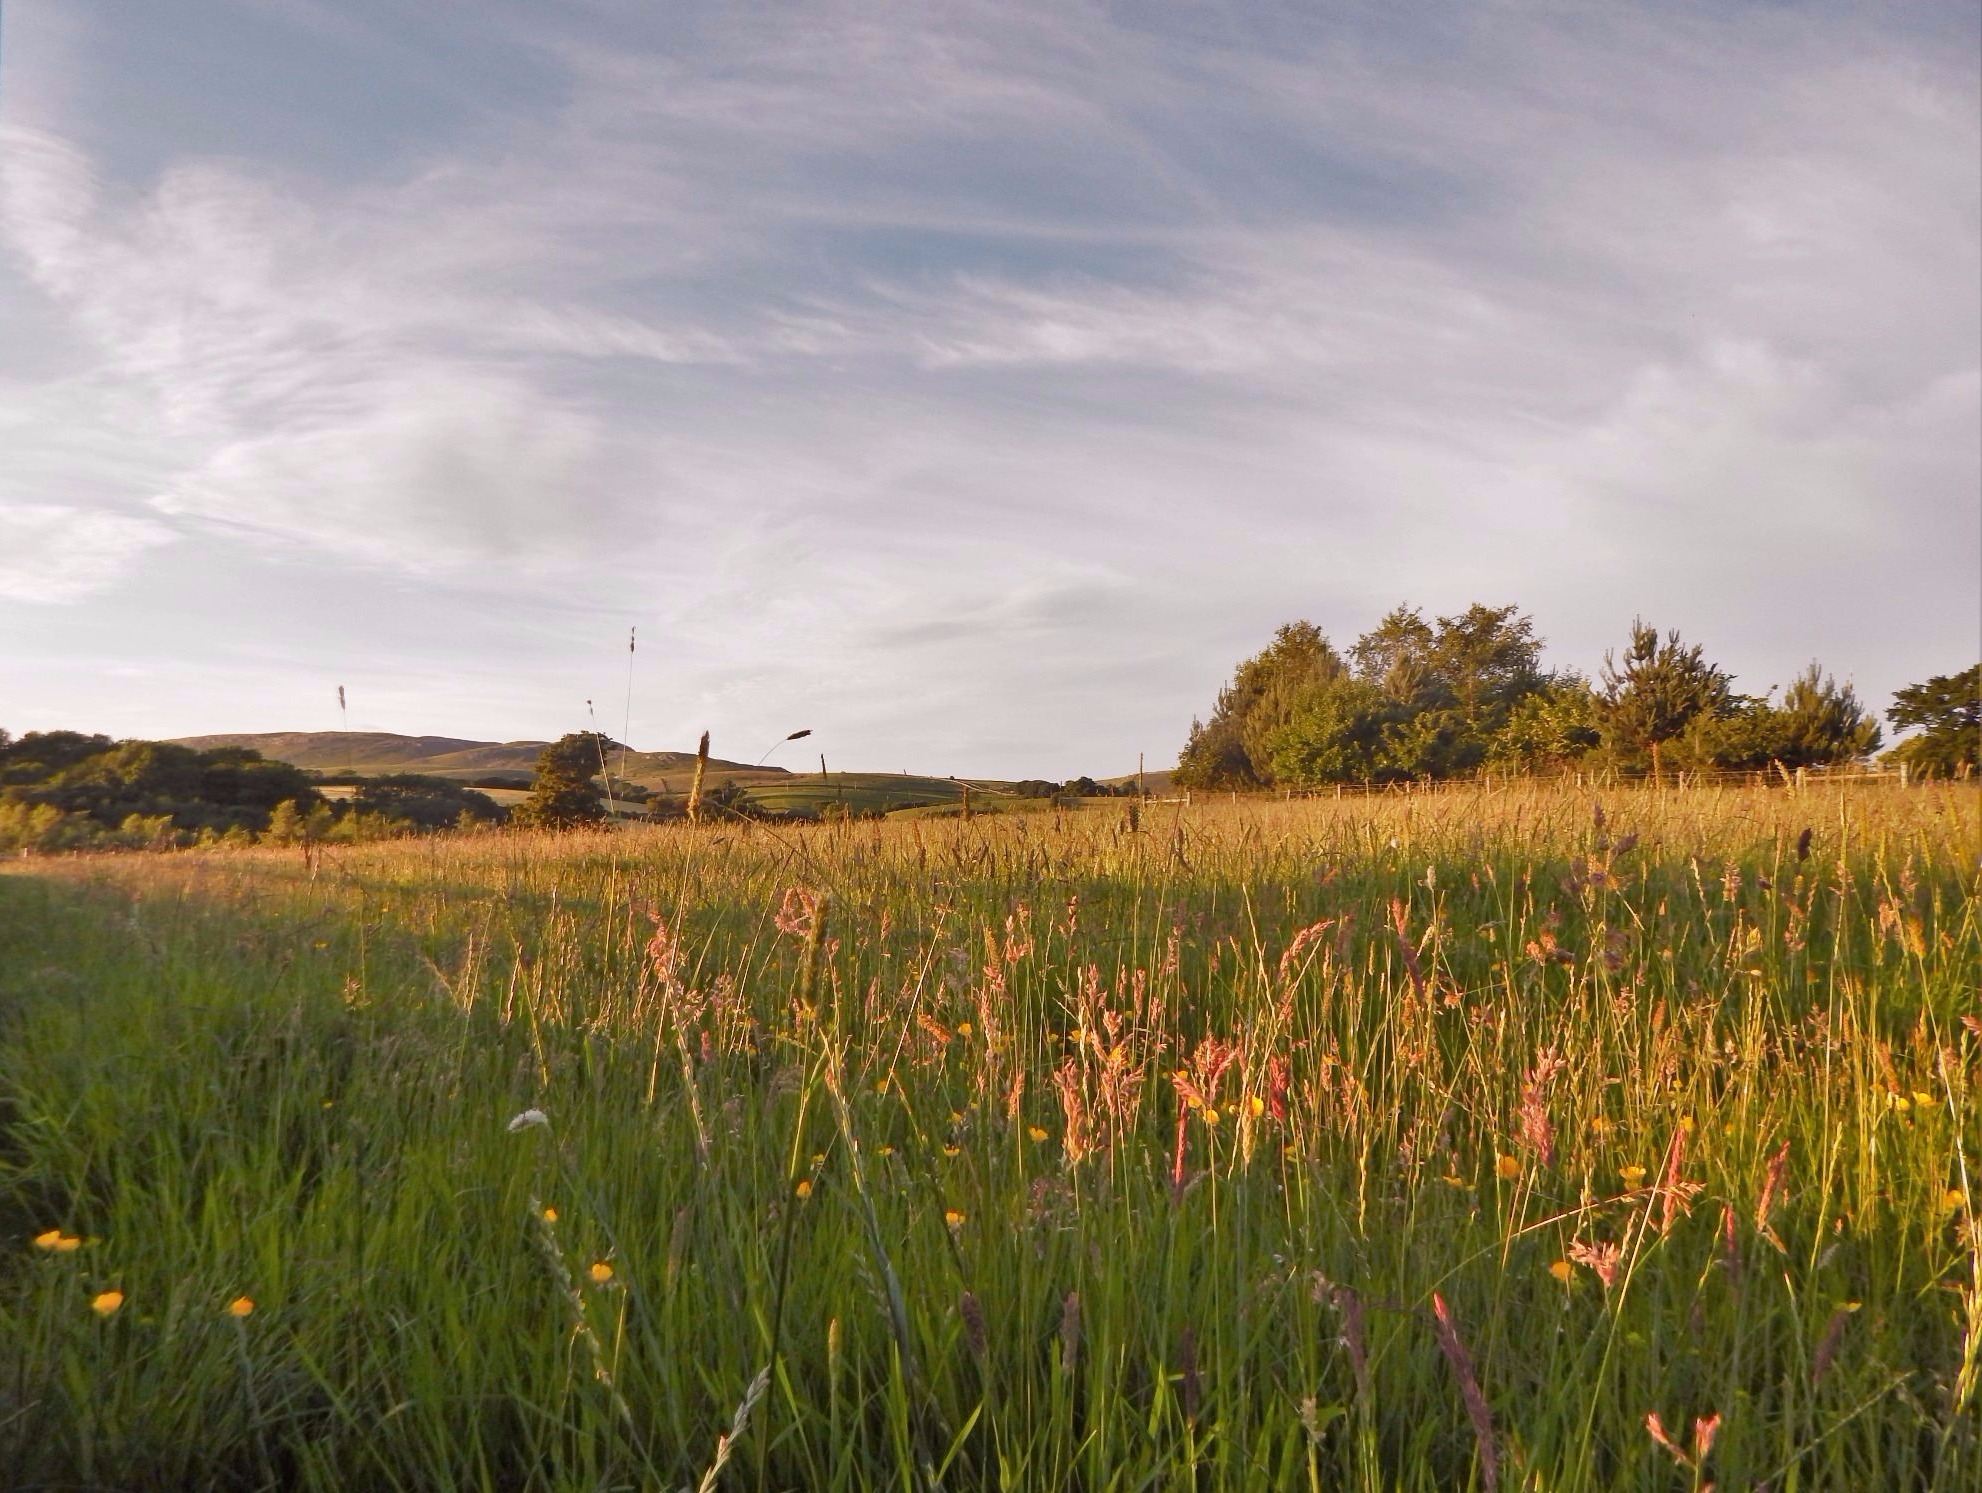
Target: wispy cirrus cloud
[
  {"x": 52, "y": 553},
  {"x": 900, "y": 335}
]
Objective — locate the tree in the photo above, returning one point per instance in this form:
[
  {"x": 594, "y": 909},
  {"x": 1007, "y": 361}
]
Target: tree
[
  {"x": 1487, "y": 658},
  {"x": 1817, "y": 723},
  {"x": 426, "y": 802},
  {"x": 1947, "y": 712},
  {"x": 1397, "y": 656},
  {"x": 1660, "y": 689},
  {"x": 1553, "y": 725},
  {"x": 1233, "y": 748},
  {"x": 1821, "y": 723},
  {"x": 563, "y": 795},
  {"x": 1339, "y": 735}
]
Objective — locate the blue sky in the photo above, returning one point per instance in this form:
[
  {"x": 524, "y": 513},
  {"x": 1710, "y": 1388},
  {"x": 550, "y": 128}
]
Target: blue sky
[{"x": 973, "y": 384}]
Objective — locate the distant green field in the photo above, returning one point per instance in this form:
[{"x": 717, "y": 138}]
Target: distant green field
[{"x": 860, "y": 792}]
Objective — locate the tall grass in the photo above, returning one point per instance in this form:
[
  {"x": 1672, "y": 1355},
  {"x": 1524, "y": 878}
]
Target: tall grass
[{"x": 1414, "y": 1144}]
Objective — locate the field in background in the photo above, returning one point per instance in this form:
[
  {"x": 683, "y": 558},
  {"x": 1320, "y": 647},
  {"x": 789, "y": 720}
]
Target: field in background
[{"x": 1402, "y": 1143}]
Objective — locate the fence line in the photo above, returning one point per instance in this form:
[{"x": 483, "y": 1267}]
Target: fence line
[{"x": 1775, "y": 776}]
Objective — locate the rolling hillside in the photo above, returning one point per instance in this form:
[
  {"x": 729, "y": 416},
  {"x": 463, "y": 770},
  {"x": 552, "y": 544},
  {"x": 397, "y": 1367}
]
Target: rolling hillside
[{"x": 372, "y": 753}]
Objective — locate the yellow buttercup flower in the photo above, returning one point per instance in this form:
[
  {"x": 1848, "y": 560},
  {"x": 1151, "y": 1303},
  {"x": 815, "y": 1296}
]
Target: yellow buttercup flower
[
  {"x": 106, "y": 1303},
  {"x": 241, "y": 1306},
  {"x": 1563, "y": 1271},
  {"x": 953, "y": 1218},
  {"x": 1509, "y": 1167},
  {"x": 804, "y": 1189},
  {"x": 1210, "y": 1115},
  {"x": 601, "y": 1272},
  {"x": 1631, "y": 1175},
  {"x": 1257, "y": 1105},
  {"x": 1036, "y": 1133},
  {"x": 550, "y": 1215},
  {"x": 1952, "y": 1200},
  {"x": 886, "y": 1151},
  {"x": 964, "y": 1028},
  {"x": 56, "y": 1242},
  {"x": 949, "y": 1150}
]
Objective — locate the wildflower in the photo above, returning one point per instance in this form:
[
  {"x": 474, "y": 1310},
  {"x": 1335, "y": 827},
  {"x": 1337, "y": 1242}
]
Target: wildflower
[
  {"x": 953, "y": 1218},
  {"x": 881, "y": 1086},
  {"x": 964, "y": 1028},
  {"x": 1036, "y": 1133},
  {"x": 1631, "y": 1176},
  {"x": 1951, "y": 1201},
  {"x": 106, "y": 1303},
  {"x": 1563, "y": 1271},
  {"x": 601, "y": 1272},
  {"x": 804, "y": 1189},
  {"x": 530, "y": 1119},
  {"x": 1602, "y": 1258},
  {"x": 57, "y": 1242},
  {"x": 1508, "y": 1167},
  {"x": 885, "y": 1151},
  {"x": 1925, "y": 1101},
  {"x": 951, "y": 1150},
  {"x": 1210, "y": 1115},
  {"x": 241, "y": 1306},
  {"x": 818, "y": 1160},
  {"x": 550, "y": 1215},
  {"x": 1257, "y": 1105}
]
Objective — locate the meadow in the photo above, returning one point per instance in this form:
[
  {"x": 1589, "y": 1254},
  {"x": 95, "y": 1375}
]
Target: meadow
[{"x": 1519, "y": 1138}]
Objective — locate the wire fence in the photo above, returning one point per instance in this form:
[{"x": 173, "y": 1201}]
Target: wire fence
[{"x": 1774, "y": 776}]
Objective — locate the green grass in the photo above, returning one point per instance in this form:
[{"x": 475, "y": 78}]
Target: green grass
[
  {"x": 856, "y": 792},
  {"x": 1025, "y": 1258}
]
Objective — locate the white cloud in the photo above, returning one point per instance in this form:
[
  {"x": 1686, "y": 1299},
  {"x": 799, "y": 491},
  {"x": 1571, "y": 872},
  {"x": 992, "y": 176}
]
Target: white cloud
[
  {"x": 901, "y": 337},
  {"x": 51, "y": 553}
]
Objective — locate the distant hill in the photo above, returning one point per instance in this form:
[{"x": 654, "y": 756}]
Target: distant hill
[{"x": 373, "y": 753}]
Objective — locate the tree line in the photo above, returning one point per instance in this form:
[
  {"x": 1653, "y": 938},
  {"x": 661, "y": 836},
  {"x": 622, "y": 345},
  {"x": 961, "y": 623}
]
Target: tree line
[
  {"x": 1416, "y": 699},
  {"x": 68, "y": 790}
]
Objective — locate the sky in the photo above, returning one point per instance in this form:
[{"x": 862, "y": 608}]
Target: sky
[{"x": 973, "y": 384}]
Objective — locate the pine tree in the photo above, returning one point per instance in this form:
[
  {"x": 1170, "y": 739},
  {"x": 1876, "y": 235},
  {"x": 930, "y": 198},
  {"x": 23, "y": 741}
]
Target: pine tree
[{"x": 1661, "y": 688}]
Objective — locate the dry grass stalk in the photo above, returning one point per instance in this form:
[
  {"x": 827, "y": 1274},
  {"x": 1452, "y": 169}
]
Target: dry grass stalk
[
  {"x": 695, "y": 786},
  {"x": 1469, "y": 1389}
]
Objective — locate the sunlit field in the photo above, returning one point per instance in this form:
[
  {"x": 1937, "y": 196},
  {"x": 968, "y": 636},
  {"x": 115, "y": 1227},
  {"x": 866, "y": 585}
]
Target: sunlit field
[{"x": 1521, "y": 1138}]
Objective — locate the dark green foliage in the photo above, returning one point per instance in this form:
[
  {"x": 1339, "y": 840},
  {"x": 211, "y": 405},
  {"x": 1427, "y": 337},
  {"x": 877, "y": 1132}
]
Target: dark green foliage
[
  {"x": 1947, "y": 712},
  {"x": 39, "y": 755},
  {"x": 1422, "y": 700},
  {"x": 1819, "y": 723},
  {"x": 429, "y": 803},
  {"x": 90, "y": 786},
  {"x": 563, "y": 794},
  {"x": 1552, "y": 726},
  {"x": 1233, "y": 748},
  {"x": 1659, "y": 690},
  {"x": 1340, "y": 734}
]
